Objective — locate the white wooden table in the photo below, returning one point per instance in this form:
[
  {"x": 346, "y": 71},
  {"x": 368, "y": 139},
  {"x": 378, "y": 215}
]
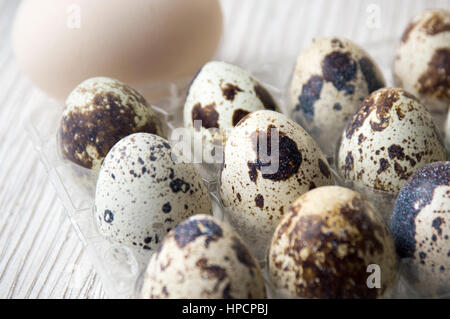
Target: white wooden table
[{"x": 40, "y": 254}]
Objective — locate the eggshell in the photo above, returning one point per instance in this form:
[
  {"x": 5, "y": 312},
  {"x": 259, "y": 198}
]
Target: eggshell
[
  {"x": 331, "y": 78},
  {"x": 142, "y": 193},
  {"x": 387, "y": 140},
  {"x": 219, "y": 96},
  {"x": 325, "y": 245},
  {"x": 421, "y": 228},
  {"x": 141, "y": 42},
  {"x": 98, "y": 113},
  {"x": 422, "y": 62},
  {"x": 203, "y": 258},
  {"x": 259, "y": 186}
]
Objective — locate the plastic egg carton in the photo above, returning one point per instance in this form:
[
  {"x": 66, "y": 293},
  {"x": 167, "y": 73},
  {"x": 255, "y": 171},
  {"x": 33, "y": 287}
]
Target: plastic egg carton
[{"x": 120, "y": 267}]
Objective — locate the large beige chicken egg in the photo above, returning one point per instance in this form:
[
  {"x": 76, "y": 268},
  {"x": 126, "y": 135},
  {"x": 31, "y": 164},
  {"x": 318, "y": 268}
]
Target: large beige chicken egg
[
  {"x": 219, "y": 96},
  {"x": 389, "y": 137},
  {"x": 332, "y": 244},
  {"x": 422, "y": 63},
  {"x": 421, "y": 229},
  {"x": 98, "y": 113},
  {"x": 142, "y": 192},
  {"x": 331, "y": 78},
  {"x": 269, "y": 161},
  {"x": 203, "y": 258},
  {"x": 142, "y": 42}
]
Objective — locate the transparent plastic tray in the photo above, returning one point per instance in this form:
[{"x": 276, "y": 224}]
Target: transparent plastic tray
[{"x": 120, "y": 267}]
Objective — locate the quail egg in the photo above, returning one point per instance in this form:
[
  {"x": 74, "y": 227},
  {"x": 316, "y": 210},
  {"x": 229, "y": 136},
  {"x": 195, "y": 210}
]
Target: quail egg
[
  {"x": 389, "y": 137},
  {"x": 422, "y": 63},
  {"x": 143, "y": 191},
  {"x": 98, "y": 113},
  {"x": 332, "y": 244},
  {"x": 203, "y": 258},
  {"x": 331, "y": 78},
  {"x": 421, "y": 228},
  {"x": 219, "y": 96},
  {"x": 269, "y": 160}
]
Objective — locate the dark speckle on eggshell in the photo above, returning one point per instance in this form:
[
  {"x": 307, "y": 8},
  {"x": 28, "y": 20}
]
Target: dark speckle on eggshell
[
  {"x": 436, "y": 224},
  {"x": 396, "y": 151},
  {"x": 324, "y": 168},
  {"x": 166, "y": 208},
  {"x": 211, "y": 271},
  {"x": 385, "y": 101},
  {"x": 310, "y": 94},
  {"x": 191, "y": 229},
  {"x": 409, "y": 28},
  {"x": 339, "y": 69},
  {"x": 230, "y": 91},
  {"x": 179, "y": 185},
  {"x": 238, "y": 115},
  {"x": 108, "y": 216},
  {"x": 207, "y": 115},
  {"x": 435, "y": 25},
  {"x": 290, "y": 157},
  {"x": 381, "y": 101},
  {"x": 259, "y": 200},
  {"x": 374, "y": 82},
  {"x": 337, "y": 107},
  {"x": 435, "y": 81},
  {"x": 265, "y": 97},
  {"x": 243, "y": 254},
  {"x": 348, "y": 166},
  {"x": 384, "y": 165}
]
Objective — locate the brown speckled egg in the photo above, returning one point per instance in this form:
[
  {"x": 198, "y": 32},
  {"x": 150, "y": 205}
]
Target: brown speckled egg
[
  {"x": 203, "y": 258},
  {"x": 331, "y": 78},
  {"x": 325, "y": 245},
  {"x": 260, "y": 185},
  {"x": 387, "y": 140},
  {"x": 421, "y": 228},
  {"x": 422, "y": 63},
  {"x": 98, "y": 113},
  {"x": 219, "y": 96},
  {"x": 142, "y": 192}
]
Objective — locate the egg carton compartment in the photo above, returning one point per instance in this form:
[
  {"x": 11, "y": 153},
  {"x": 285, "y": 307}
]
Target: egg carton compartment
[
  {"x": 121, "y": 267},
  {"x": 118, "y": 265}
]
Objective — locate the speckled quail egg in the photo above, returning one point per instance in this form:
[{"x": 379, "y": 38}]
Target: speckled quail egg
[
  {"x": 387, "y": 140},
  {"x": 269, "y": 160},
  {"x": 421, "y": 227},
  {"x": 332, "y": 244},
  {"x": 219, "y": 96},
  {"x": 331, "y": 78},
  {"x": 142, "y": 192},
  {"x": 203, "y": 258},
  {"x": 98, "y": 113},
  {"x": 422, "y": 63}
]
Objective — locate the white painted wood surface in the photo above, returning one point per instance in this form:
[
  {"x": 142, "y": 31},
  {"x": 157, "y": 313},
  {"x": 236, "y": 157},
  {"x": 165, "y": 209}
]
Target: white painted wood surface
[{"x": 40, "y": 254}]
